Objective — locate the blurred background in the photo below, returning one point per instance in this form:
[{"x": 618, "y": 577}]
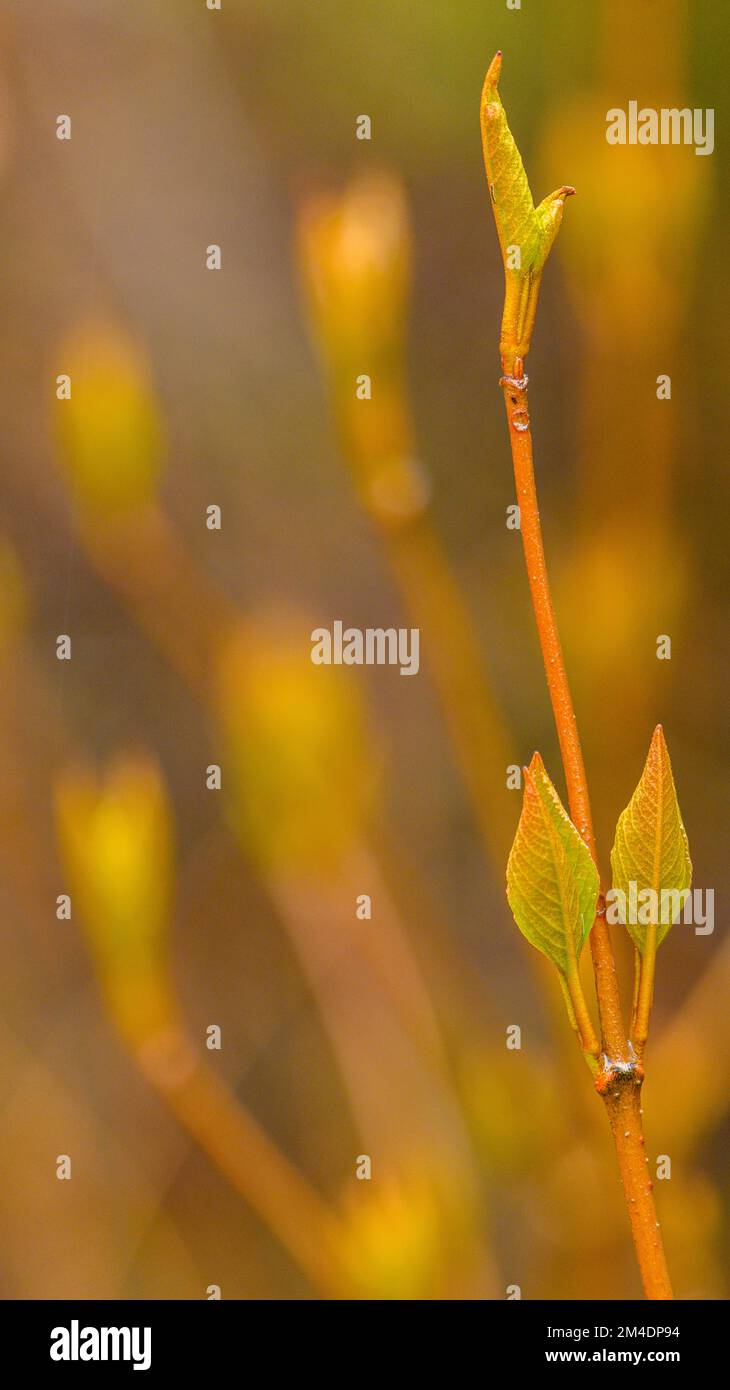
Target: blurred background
[{"x": 148, "y": 901}]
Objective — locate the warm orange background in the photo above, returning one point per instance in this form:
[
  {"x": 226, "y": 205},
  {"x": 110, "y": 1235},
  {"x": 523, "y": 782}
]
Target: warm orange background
[{"x": 190, "y": 647}]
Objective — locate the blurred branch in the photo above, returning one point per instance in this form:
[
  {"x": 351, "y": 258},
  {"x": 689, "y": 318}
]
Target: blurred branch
[
  {"x": 244, "y": 1154},
  {"x": 116, "y": 844},
  {"x": 354, "y": 260}
]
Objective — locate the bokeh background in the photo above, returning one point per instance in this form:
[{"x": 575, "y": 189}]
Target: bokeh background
[{"x": 191, "y": 906}]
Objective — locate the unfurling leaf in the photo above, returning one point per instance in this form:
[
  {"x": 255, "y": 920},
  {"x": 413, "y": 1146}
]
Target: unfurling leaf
[
  {"x": 526, "y": 233},
  {"x": 651, "y": 851},
  {"x": 552, "y": 882}
]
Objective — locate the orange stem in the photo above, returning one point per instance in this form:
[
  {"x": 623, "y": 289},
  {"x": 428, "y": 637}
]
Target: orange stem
[{"x": 620, "y": 1083}]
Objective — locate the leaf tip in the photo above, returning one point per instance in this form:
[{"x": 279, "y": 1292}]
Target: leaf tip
[
  {"x": 658, "y": 746},
  {"x": 491, "y": 81}
]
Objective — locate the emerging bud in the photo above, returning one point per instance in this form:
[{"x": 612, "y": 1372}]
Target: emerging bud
[
  {"x": 526, "y": 233},
  {"x": 111, "y": 437},
  {"x": 116, "y": 847},
  {"x": 354, "y": 256},
  {"x": 299, "y": 782},
  {"x": 410, "y": 1235}
]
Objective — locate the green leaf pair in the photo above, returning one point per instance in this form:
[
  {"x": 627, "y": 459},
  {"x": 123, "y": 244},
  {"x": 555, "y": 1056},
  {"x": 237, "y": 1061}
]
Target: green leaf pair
[{"x": 552, "y": 882}]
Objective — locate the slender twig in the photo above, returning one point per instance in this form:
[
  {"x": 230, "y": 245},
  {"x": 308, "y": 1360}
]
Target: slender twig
[
  {"x": 645, "y": 992},
  {"x": 579, "y": 1017},
  {"x": 637, "y": 987},
  {"x": 619, "y": 1083}
]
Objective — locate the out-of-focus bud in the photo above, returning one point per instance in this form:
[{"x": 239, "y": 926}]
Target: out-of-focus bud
[
  {"x": 513, "y": 1109},
  {"x": 115, "y": 842},
  {"x": 625, "y": 258},
  {"x": 354, "y": 256},
  {"x": 629, "y": 582},
  {"x": 625, "y": 252},
  {"x": 354, "y": 253},
  {"x": 12, "y": 594},
  {"x": 409, "y": 1239},
  {"x": 299, "y": 783},
  {"x": 110, "y": 433}
]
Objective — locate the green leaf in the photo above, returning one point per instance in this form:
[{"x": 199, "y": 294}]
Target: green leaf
[
  {"x": 552, "y": 882},
  {"x": 519, "y": 222},
  {"x": 651, "y": 850}
]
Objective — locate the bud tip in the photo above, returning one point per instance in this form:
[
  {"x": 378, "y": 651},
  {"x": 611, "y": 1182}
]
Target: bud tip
[{"x": 492, "y": 78}]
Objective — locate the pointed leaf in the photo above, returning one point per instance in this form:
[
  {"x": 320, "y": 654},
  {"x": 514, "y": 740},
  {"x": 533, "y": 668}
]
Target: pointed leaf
[
  {"x": 651, "y": 850},
  {"x": 552, "y": 882},
  {"x": 519, "y": 222},
  {"x": 520, "y": 225}
]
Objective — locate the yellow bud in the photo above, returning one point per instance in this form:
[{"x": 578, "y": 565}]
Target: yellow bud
[
  {"x": 115, "y": 840},
  {"x": 354, "y": 256},
  {"x": 299, "y": 784},
  {"x": 110, "y": 434},
  {"x": 408, "y": 1237},
  {"x": 625, "y": 257}
]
